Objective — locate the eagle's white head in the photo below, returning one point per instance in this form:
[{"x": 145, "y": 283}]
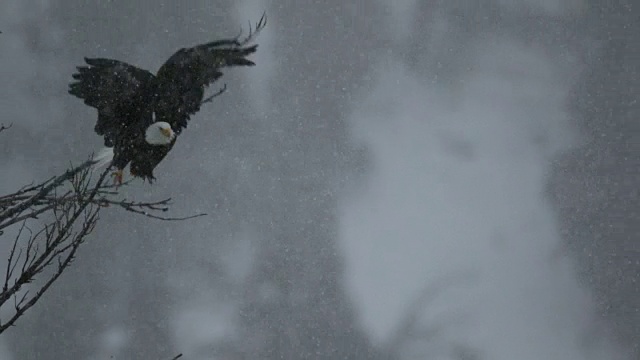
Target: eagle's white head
[{"x": 159, "y": 133}]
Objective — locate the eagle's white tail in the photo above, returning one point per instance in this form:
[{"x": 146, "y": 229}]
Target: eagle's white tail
[{"x": 103, "y": 157}]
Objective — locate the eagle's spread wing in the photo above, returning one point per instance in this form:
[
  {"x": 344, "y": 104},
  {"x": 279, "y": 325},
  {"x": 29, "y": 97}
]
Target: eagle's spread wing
[
  {"x": 183, "y": 78},
  {"x": 111, "y": 86}
]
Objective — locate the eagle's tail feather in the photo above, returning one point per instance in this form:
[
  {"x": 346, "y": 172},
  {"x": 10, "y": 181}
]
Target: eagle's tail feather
[{"x": 103, "y": 157}]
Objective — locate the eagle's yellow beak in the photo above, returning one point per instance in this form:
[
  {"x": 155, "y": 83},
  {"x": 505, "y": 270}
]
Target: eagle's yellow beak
[{"x": 167, "y": 132}]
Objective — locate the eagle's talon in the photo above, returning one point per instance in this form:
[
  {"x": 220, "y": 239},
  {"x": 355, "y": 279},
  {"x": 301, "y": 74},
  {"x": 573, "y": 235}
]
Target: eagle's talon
[{"x": 117, "y": 177}]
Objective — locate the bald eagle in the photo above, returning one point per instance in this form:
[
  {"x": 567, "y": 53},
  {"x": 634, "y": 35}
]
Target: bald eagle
[{"x": 140, "y": 114}]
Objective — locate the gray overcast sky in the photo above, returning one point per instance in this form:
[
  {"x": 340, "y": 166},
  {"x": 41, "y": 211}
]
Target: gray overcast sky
[{"x": 375, "y": 151}]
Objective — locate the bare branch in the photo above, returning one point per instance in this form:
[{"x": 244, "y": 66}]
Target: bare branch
[
  {"x": 68, "y": 205},
  {"x": 44, "y": 191},
  {"x": 143, "y": 208}
]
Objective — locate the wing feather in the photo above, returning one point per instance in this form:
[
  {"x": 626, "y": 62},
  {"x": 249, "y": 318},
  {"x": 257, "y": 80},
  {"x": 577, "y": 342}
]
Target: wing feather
[
  {"x": 110, "y": 86},
  {"x": 184, "y": 77}
]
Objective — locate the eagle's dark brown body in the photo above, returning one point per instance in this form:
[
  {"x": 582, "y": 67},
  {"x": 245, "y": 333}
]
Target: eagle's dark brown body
[{"x": 130, "y": 99}]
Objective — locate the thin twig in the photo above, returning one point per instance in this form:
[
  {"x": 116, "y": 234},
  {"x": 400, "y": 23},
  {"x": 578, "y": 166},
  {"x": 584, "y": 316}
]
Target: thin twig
[
  {"x": 70, "y": 201},
  {"x": 44, "y": 191}
]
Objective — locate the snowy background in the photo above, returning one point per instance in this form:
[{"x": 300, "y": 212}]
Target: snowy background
[{"x": 393, "y": 180}]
